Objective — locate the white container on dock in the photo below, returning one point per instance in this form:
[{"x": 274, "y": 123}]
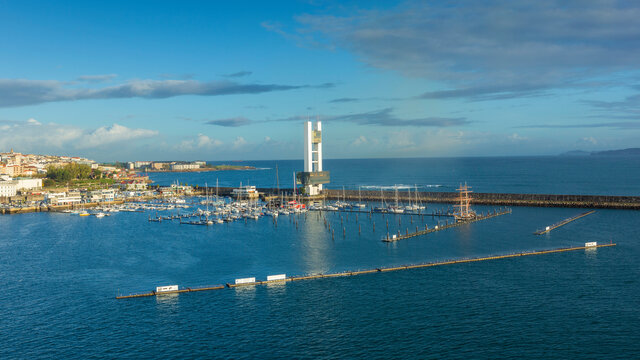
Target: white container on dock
[
  {"x": 245, "y": 280},
  {"x": 167, "y": 288},
  {"x": 276, "y": 277}
]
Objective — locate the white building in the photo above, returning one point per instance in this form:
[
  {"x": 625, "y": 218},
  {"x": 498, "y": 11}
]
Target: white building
[
  {"x": 185, "y": 166},
  {"x": 69, "y": 199},
  {"x": 108, "y": 194},
  {"x": 245, "y": 192},
  {"x": 8, "y": 188},
  {"x": 28, "y": 184}
]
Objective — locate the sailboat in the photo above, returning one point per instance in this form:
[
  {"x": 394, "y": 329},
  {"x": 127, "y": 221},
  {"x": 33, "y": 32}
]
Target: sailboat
[
  {"x": 359, "y": 204},
  {"x": 418, "y": 203},
  {"x": 381, "y": 208},
  {"x": 396, "y": 209}
]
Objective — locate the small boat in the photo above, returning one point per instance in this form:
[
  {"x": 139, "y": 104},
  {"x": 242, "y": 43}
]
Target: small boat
[
  {"x": 83, "y": 213},
  {"x": 100, "y": 215}
]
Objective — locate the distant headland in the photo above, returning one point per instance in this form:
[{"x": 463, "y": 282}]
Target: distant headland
[
  {"x": 621, "y": 152},
  {"x": 204, "y": 168}
]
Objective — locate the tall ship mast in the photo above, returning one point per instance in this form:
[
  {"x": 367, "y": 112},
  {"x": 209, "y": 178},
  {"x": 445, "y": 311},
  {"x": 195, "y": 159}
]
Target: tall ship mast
[{"x": 463, "y": 210}]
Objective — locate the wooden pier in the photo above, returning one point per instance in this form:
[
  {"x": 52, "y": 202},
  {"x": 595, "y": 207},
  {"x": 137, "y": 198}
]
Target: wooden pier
[
  {"x": 443, "y": 227},
  {"x": 370, "y": 271},
  {"x": 563, "y": 222}
]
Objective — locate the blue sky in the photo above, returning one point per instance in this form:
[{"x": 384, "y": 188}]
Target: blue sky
[{"x": 118, "y": 80}]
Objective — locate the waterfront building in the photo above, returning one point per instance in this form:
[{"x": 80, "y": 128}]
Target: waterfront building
[
  {"x": 8, "y": 188},
  {"x": 245, "y": 192},
  {"x": 71, "y": 198},
  {"x": 133, "y": 184},
  {"x": 28, "y": 184},
  {"x": 184, "y": 166}
]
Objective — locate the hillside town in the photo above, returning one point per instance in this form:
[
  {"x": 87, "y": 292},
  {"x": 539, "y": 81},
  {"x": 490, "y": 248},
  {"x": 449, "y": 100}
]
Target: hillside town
[{"x": 25, "y": 181}]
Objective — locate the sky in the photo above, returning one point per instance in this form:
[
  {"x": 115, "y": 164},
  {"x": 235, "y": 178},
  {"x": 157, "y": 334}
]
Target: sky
[{"x": 212, "y": 80}]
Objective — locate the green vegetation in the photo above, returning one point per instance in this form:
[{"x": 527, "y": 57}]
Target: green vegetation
[
  {"x": 76, "y": 175},
  {"x": 71, "y": 171}
]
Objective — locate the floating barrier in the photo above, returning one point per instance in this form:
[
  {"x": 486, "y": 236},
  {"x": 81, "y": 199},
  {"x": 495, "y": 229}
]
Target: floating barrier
[
  {"x": 563, "y": 222},
  {"x": 282, "y": 277}
]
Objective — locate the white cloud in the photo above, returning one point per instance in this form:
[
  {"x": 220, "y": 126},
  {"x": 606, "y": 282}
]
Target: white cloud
[
  {"x": 589, "y": 140},
  {"x": 200, "y": 142},
  {"x": 206, "y": 142},
  {"x": 33, "y": 136},
  {"x": 515, "y": 137},
  {"x": 239, "y": 142},
  {"x": 359, "y": 141}
]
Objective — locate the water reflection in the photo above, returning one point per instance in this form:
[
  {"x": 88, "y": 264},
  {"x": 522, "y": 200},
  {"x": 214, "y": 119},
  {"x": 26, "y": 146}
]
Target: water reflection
[
  {"x": 167, "y": 302},
  {"x": 245, "y": 292},
  {"x": 313, "y": 238}
]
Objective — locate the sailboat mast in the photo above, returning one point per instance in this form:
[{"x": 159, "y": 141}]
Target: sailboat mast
[{"x": 277, "y": 179}]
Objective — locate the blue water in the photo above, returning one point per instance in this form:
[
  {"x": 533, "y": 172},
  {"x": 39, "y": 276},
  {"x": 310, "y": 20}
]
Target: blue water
[
  {"x": 59, "y": 274},
  {"x": 535, "y": 175}
]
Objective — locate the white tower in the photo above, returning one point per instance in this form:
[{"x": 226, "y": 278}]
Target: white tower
[{"x": 313, "y": 177}]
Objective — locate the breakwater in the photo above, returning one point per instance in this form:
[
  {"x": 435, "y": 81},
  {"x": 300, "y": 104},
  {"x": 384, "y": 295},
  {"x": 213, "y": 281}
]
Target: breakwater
[
  {"x": 363, "y": 272},
  {"x": 497, "y": 199}
]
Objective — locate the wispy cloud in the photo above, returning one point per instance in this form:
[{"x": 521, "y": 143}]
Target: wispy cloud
[
  {"x": 383, "y": 117},
  {"x": 238, "y": 74},
  {"x": 231, "y": 122},
  {"x": 487, "y": 50},
  {"x": 344, "y": 100},
  {"x": 21, "y": 92},
  {"x": 483, "y": 93},
  {"x": 628, "y": 125},
  {"x": 97, "y": 78},
  {"x": 629, "y": 108}
]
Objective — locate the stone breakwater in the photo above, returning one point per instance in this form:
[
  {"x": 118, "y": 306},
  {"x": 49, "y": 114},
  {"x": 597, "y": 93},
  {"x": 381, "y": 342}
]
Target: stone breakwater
[{"x": 498, "y": 199}]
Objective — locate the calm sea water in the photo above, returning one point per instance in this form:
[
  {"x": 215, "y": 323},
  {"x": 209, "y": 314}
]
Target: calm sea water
[
  {"x": 550, "y": 174},
  {"x": 60, "y": 273}
]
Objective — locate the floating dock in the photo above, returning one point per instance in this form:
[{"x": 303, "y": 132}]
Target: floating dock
[
  {"x": 443, "y": 227},
  {"x": 370, "y": 211},
  {"x": 563, "y": 222},
  {"x": 252, "y": 282}
]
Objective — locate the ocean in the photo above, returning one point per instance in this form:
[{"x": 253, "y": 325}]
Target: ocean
[
  {"x": 588, "y": 175},
  {"x": 60, "y": 274}
]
